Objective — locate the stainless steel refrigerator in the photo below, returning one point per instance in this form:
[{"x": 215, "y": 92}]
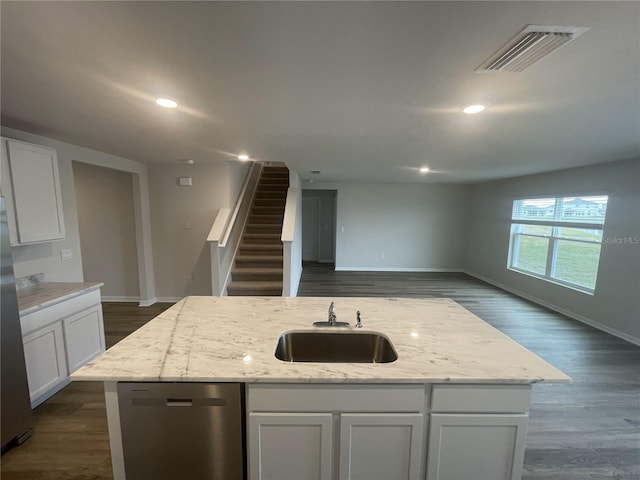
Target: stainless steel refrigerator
[{"x": 16, "y": 415}]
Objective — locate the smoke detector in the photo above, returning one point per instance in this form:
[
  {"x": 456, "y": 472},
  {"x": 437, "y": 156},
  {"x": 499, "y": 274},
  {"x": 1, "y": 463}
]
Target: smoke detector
[{"x": 529, "y": 46}]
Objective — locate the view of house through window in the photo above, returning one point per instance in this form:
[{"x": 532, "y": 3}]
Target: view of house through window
[{"x": 558, "y": 239}]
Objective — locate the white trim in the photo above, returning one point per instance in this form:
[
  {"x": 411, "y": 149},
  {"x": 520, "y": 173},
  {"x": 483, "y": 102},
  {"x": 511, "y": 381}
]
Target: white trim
[
  {"x": 147, "y": 302},
  {"x": 398, "y": 269},
  {"x": 563, "y": 311},
  {"x": 166, "y": 300},
  {"x": 116, "y": 298}
]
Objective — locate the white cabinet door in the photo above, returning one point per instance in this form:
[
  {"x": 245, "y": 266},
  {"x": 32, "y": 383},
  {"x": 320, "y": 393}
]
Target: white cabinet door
[
  {"x": 380, "y": 446},
  {"x": 476, "y": 447},
  {"x": 45, "y": 360},
  {"x": 37, "y": 199},
  {"x": 290, "y": 446},
  {"x": 84, "y": 337}
]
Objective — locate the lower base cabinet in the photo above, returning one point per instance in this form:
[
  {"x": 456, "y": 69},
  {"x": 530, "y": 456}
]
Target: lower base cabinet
[
  {"x": 45, "y": 361},
  {"x": 58, "y": 340},
  {"x": 291, "y": 445},
  {"x": 384, "y": 446},
  {"x": 326, "y": 439},
  {"x": 477, "y": 432}
]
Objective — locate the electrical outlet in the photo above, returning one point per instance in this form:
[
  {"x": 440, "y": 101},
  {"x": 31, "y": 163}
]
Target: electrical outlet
[{"x": 66, "y": 254}]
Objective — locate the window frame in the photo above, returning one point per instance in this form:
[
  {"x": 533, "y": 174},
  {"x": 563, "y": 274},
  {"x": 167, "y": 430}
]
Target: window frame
[{"x": 553, "y": 238}]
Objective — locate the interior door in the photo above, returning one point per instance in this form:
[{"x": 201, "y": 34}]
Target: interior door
[{"x": 310, "y": 222}]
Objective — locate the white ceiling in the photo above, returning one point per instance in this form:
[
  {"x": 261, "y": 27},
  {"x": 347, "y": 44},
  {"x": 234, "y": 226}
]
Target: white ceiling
[{"x": 362, "y": 91}]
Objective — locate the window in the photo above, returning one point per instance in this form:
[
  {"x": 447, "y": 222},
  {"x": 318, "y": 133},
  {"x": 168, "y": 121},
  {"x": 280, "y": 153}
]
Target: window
[{"x": 558, "y": 239}]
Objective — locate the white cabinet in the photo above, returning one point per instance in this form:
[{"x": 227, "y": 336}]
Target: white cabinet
[
  {"x": 346, "y": 432},
  {"x": 45, "y": 360},
  {"x": 31, "y": 184},
  {"x": 58, "y": 339},
  {"x": 84, "y": 336},
  {"x": 385, "y": 446},
  {"x": 291, "y": 445},
  {"x": 482, "y": 436}
]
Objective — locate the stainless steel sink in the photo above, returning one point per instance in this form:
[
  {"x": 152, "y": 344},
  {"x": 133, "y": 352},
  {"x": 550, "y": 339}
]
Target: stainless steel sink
[{"x": 335, "y": 347}]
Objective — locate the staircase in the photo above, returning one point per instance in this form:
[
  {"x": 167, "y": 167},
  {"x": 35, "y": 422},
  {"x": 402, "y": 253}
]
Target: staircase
[{"x": 257, "y": 268}]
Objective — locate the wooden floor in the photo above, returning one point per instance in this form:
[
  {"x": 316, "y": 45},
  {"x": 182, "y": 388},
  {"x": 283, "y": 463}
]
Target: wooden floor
[{"x": 587, "y": 430}]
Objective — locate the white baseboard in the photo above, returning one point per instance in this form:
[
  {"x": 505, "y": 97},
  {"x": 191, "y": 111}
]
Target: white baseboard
[
  {"x": 563, "y": 311},
  {"x": 398, "y": 269},
  {"x": 165, "y": 300},
  {"x": 148, "y": 302},
  {"x": 116, "y": 298}
]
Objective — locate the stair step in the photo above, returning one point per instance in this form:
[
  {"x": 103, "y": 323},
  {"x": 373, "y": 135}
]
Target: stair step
[
  {"x": 257, "y": 273},
  {"x": 263, "y": 238},
  {"x": 266, "y": 187},
  {"x": 262, "y": 288},
  {"x": 265, "y": 219},
  {"x": 258, "y": 260},
  {"x": 274, "y": 179},
  {"x": 276, "y": 170},
  {"x": 260, "y": 248},
  {"x": 269, "y": 202},
  {"x": 267, "y": 210},
  {"x": 273, "y": 228}
]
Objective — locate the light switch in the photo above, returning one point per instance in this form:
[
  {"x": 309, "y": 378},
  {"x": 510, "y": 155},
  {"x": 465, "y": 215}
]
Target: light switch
[
  {"x": 185, "y": 181},
  {"x": 66, "y": 254}
]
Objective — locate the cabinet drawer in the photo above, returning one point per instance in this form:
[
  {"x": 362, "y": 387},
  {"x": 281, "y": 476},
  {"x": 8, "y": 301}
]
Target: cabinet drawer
[
  {"x": 481, "y": 398},
  {"x": 332, "y": 398},
  {"x": 47, "y": 315}
]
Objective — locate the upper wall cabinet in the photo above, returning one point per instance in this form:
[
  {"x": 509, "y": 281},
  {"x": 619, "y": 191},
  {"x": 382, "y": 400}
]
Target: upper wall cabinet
[{"x": 31, "y": 186}]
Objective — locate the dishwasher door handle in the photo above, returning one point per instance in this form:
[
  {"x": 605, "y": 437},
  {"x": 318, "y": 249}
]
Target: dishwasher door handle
[{"x": 179, "y": 402}]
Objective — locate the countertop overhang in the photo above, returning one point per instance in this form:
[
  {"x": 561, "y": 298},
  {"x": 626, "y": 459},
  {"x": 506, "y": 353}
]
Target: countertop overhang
[{"x": 233, "y": 339}]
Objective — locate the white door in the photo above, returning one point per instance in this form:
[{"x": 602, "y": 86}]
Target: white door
[
  {"x": 476, "y": 447},
  {"x": 381, "y": 446},
  {"x": 310, "y": 222},
  {"x": 290, "y": 446}
]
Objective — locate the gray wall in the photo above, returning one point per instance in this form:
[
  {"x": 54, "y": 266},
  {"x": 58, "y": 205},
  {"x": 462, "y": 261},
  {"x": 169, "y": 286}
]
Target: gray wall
[
  {"x": 400, "y": 227},
  {"x": 615, "y": 307},
  {"x": 181, "y": 218},
  {"x": 104, "y": 199}
]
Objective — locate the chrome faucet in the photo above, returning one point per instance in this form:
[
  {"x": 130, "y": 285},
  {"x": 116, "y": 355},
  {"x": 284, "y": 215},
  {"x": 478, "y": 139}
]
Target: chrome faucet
[
  {"x": 332, "y": 320},
  {"x": 358, "y": 320},
  {"x": 332, "y": 314}
]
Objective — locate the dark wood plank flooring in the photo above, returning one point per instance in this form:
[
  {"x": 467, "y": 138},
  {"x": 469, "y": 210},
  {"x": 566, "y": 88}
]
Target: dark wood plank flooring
[{"x": 587, "y": 430}]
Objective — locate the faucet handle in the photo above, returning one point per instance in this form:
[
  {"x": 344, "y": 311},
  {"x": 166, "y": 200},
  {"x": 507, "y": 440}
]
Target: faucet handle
[{"x": 358, "y": 321}]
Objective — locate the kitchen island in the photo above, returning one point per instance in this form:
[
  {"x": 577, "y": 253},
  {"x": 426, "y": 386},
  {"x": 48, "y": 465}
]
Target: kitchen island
[{"x": 454, "y": 404}]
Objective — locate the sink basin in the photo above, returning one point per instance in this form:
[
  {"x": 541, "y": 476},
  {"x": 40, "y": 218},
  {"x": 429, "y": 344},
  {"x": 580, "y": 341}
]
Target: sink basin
[{"x": 335, "y": 347}]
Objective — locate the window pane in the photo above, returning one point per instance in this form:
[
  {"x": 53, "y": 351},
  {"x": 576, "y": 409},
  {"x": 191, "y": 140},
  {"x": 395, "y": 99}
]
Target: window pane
[
  {"x": 592, "y": 235},
  {"x": 536, "y": 230},
  {"x": 531, "y": 254},
  {"x": 534, "y": 209},
  {"x": 583, "y": 209},
  {"x": 577, "y": 263}
]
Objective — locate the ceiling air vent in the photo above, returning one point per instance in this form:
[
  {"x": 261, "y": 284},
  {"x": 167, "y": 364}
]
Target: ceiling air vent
[{"x": 527, "y": 47}]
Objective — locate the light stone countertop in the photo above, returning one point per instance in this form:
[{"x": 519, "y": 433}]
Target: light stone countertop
[
  {"x": 41, "y": 295},
  {"x": 233, "y": 339}
]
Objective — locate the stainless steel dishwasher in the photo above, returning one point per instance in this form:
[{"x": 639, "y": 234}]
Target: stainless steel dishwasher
[{"x": 182, "y": 430}]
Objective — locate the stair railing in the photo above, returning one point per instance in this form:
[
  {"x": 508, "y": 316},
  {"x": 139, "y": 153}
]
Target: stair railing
[
  {"x": 226, "y": 231},
  {"x": 292, "y": 239}
]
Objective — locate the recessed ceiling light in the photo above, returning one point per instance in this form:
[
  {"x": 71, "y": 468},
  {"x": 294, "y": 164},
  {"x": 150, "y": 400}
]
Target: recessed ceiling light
[
  {"x": 243, "y": 156},
  {"x": 473, "y": 109},
  {"x": 424, "y": 169},
  {"x": 166, "y": 103}
]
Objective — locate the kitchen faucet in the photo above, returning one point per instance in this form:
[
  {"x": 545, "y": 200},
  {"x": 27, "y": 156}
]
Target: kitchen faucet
[
  {"x": 332, "y": 320},
  {"x": 332, "y": 314}
]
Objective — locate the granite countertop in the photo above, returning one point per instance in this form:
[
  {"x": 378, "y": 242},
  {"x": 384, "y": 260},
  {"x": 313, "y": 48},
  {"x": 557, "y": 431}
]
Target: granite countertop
[
  {"x": 233, "y": 339},
  {"x": 39, "y": 295}
]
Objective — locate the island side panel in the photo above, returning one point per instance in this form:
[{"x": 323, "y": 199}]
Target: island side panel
[{"x": 115, "y": 434}]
